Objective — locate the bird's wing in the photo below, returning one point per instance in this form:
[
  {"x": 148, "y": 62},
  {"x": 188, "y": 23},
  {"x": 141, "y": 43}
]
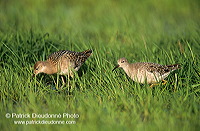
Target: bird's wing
[
  {"x": 157, "y": 68},
  {"x": 81, "y": 57},
  {"x": 56, "y": 56},
  {"x": 76, "y": 58}
]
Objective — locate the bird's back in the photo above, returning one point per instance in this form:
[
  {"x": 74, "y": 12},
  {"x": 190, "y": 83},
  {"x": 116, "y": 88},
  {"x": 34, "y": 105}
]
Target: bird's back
[
  {"x": 161, "y": 69},
  {"x": 56, "y": 56},
  {"x": 76, "y": 58}
]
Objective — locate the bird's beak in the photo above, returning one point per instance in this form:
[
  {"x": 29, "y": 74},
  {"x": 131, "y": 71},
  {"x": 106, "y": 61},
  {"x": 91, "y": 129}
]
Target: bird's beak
[
  {"x": 115, "y": 67},
  {"x": 33, "y": 75}
]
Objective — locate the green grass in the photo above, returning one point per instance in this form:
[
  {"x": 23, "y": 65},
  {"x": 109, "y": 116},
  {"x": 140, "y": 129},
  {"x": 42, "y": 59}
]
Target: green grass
[{"x": 165, "y": 32}]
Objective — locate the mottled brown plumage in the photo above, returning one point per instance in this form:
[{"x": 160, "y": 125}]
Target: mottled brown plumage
[
  {"x": 62, "y": 62},
  {"x": 146, "y": 72}
]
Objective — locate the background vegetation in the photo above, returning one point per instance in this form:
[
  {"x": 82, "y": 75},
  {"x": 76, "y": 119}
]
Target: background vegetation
[{"x": 160, "y": 31}]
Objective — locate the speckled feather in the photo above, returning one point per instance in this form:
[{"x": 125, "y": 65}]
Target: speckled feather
[
  {"x": 146, "y": 72},
  {"x": 161, "y": 69},
  {"x": 62, "y": 62},
  {"x": 77, "y": 57}
]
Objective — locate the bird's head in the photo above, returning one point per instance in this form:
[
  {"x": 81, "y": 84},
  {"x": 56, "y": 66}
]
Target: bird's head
[
  {"x": 39, "y": 67},
  {"x": 122, "y": 62}
]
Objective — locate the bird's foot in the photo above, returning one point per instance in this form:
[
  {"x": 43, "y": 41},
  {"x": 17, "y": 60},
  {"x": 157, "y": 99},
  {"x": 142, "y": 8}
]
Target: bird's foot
[
  {"x": 152, "y": 85},
  {"x": 164, "y": 82}
]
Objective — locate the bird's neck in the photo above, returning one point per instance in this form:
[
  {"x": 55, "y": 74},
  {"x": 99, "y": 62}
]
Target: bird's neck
[
  {"x": 49, "y": 68},
  {"x": 126, "y": 69}
]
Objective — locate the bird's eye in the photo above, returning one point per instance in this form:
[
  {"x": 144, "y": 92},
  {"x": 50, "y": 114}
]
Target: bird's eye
[
  {"x": 122, "y": 61},
  {"x": 37, "y": 68}
]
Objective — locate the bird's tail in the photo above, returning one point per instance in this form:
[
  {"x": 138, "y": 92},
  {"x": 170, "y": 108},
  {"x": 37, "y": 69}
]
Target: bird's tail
[{"x": 87, "y": 52}]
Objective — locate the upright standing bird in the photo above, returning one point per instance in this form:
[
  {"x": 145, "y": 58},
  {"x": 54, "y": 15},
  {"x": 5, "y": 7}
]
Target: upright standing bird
[
  {"x": 146, "y": 72},
  {"x": 62, "y": 62}
]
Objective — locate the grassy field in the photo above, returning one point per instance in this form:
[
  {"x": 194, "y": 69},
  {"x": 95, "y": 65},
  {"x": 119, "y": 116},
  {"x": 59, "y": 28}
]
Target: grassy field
[{"x": 165, "y": 32}]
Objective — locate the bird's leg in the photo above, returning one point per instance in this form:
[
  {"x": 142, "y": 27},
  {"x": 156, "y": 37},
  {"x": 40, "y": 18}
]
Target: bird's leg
[
  {"x": 70, "y": 73},
  {"x": 57, "y": 81},
  {"x": 68, "y": 79},
  {"x": 152, "y": 85},
  {"x": 63, "y": 82},
  {"x": 164, "y": 82},
  {"x": 68, "y": 82}
]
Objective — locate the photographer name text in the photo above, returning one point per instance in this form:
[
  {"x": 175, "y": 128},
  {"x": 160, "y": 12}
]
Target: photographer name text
[{"x": 44, "y": 115}]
